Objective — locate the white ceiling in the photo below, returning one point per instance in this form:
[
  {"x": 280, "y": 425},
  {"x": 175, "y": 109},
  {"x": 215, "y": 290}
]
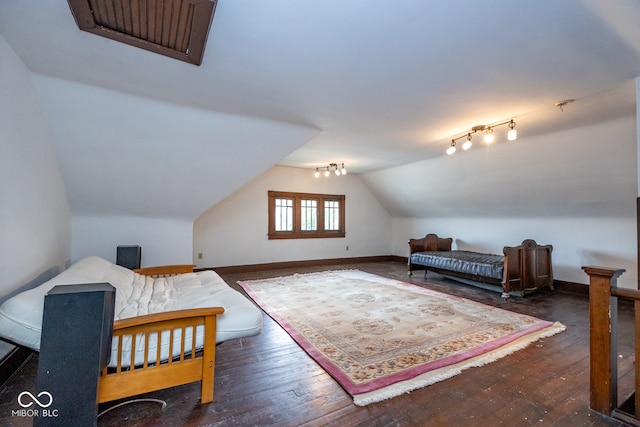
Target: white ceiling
[{"x": 374, "y": 84}]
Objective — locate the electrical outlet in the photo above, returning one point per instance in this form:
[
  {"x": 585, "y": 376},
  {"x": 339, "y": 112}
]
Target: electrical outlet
[{"x": 199, "y": 255}]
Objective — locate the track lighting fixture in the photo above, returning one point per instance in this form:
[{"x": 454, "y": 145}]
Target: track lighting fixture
[
  {"x": 338, "y": 170},
  {"x": 488, "y": 138}
]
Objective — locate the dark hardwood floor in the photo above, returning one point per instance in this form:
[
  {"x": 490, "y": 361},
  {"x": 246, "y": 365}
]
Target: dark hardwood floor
[{"x": 268, "y": 380}]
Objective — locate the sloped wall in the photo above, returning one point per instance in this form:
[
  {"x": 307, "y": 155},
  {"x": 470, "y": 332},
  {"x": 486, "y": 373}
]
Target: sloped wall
[
  {"x": 164, "y": 241},
  {"x": 573, "y": 189},
  {"x": 35, "y": 222},
  {"x": 234, "y": 232}
]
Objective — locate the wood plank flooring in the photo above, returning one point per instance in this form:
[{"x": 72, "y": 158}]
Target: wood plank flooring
[{"x": 268, "y": 380}]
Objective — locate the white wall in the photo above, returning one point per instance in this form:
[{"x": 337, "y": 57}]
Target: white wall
[
  {"x": 35, "y": 224},
  {"x": 163, "y": 241},
  {"x": 234, "y": 232},
  {"x": 574, "y": 189}
]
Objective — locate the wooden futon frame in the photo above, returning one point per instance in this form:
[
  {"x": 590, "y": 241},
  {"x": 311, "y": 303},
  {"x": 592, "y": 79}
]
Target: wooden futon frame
[{"x": 190, "y": 366}]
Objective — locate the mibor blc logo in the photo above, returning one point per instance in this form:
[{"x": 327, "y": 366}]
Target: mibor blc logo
[{"x": 35, "y": 406}]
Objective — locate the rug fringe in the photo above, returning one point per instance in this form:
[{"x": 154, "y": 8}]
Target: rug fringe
[{"x": 444, "y": 373}]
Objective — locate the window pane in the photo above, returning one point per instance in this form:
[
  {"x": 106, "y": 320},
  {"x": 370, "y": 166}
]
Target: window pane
[
  {"x": 284, "y": 215},
  {"x": 309, "y": 213},
  {"x": 331, "y": 215}
]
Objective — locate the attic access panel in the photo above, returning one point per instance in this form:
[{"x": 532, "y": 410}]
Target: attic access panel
[{"x": 174, "y": 28}]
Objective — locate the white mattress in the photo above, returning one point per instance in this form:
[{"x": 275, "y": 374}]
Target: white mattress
[{"x": 21, "y": 315}]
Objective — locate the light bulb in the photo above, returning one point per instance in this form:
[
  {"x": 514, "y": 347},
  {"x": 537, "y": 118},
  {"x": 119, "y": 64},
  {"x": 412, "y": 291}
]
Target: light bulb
[
  {"x": 488, "y": 138},
  {"x": 337, "y": 171},
  {"x": 451, "y": 149},
  {"x": 326, "y": 173},
  {"x": 467, "y": 144},
  {"x": 317, "y": 173},
  {"x": 343, "y": 171}
]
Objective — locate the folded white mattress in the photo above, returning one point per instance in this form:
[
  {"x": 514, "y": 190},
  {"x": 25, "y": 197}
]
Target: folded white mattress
[{"x": 136, "y": 295}]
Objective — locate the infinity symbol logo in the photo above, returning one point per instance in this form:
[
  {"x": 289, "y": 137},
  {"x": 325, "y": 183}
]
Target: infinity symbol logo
[{"x": 35, "y": 399}]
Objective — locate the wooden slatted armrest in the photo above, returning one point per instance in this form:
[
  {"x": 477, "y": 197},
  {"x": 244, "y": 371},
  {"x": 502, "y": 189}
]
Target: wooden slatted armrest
[
  {"x": 166, "y": 316},
  {"x": 165, "y": 270}
]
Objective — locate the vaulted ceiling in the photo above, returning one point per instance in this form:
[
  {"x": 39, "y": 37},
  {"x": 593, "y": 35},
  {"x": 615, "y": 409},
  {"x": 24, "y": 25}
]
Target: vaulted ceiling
[{"x": 374, "y": 84}]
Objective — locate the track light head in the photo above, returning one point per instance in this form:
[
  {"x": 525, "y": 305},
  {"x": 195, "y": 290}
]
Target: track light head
[
  {"x": 489, "y": 138},
  {"x": 467, "y": 144},
  {"x": 512, "y": 135},
  {"x": 452, "y": 149}
]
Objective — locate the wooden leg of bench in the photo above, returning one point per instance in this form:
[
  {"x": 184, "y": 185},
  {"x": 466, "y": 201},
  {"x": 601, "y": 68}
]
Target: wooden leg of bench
[
  {"x": 209, "y": 362},
  {"x": 506, "y": 292}
]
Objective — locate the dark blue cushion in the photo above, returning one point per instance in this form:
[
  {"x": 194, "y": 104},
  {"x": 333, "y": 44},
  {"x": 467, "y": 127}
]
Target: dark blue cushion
[{"x": 478, "y": 264}]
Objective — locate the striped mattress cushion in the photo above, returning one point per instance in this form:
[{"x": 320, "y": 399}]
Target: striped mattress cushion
[{"x": 478, "y": 264}]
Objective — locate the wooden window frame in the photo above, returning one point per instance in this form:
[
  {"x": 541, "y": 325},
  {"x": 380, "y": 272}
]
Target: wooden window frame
[{"x": 297, "y": 232}]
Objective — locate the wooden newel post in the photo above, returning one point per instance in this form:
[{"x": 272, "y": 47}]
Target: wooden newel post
[{"x": 602, "y": 332}]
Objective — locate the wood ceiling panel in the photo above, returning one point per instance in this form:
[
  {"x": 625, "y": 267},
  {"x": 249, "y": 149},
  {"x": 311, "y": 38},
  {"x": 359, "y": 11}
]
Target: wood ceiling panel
[{"x": 175, "y": 28}]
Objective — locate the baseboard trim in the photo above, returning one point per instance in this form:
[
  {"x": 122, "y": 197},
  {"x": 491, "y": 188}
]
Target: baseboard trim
[
  {"x": 235, "y": 269},
  {"x": 401, "y": 259},
  {"x": 573, "y": 287}
]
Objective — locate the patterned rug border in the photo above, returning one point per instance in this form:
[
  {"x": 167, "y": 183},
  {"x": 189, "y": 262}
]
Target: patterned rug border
[{"x": 414, "y": 378}]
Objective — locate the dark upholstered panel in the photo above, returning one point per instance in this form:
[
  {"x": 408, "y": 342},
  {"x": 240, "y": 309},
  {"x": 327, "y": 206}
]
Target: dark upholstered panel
[{"x": 478, "y": 264}]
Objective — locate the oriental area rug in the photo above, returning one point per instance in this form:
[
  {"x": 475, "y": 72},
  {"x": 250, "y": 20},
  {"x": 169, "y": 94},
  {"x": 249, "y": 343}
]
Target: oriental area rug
[{"x": 380, "y": 337}]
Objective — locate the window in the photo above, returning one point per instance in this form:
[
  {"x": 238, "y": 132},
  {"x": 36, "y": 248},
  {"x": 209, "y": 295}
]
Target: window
[
  {"x": 303, "y": 215},
  {"x": 331, "y": 215},
  {"x": 309, "y": 215},
  {"x": 284, "y": 215}
]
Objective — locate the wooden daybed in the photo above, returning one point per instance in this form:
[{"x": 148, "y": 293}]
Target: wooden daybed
[
  {"x": 191, "y": 365},
  {"x": 520, "y": 270}
]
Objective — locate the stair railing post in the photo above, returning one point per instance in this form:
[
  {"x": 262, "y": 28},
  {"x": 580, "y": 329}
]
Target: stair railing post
[{"x": 603, "y": 310}]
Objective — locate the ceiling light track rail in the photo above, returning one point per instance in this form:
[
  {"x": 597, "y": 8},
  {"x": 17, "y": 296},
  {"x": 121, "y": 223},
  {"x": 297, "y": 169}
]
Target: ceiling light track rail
[
  {"x": 489, "y": 136},
  {"x": 331, "y": 167}
]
